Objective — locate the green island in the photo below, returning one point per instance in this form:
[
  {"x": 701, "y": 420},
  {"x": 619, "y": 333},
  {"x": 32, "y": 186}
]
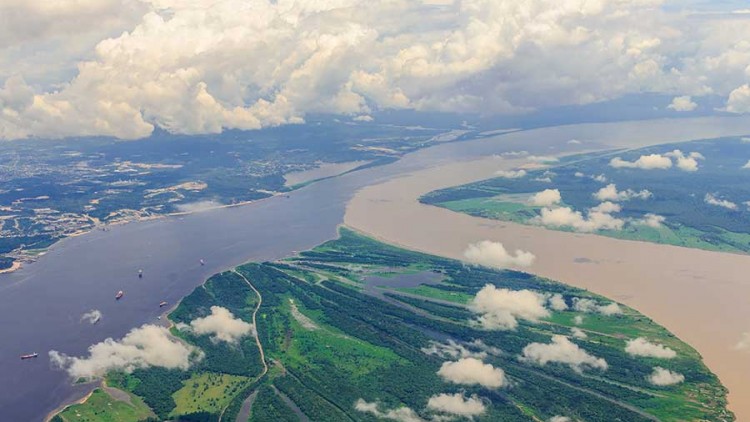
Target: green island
[
  {"x": 356, "y": 329},
  {"x": 704, "y": 207}
]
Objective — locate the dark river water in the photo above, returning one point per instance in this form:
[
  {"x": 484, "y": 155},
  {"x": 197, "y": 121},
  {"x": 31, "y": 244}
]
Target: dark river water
[{"x": 41, "y": 304}]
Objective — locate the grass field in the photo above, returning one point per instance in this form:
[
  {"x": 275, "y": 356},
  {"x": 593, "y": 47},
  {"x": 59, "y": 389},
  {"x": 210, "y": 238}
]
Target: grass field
[
  {"x": 101, "y": 407},
  {"x": 207, "y": 392}
]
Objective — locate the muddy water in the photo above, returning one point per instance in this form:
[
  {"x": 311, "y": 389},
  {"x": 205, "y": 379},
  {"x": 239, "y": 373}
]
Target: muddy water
[{"x": 703, "y": 297}]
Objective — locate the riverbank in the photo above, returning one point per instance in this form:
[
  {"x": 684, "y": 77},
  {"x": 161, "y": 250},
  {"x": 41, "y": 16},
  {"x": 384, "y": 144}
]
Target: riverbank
[{"x": 685, "y": 290}]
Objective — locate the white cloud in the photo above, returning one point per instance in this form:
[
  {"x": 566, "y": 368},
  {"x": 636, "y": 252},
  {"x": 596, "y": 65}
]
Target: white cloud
[
  {"x": 198, "y": 206},
  {"x": 472, "y": 371},
  {"x": 363, "y": 118},
  {"x": 644, "y": 162},
  {"x": 454, "y": 350},
  {"x": 494, "y": 254},
  {"x": 511, "y": 174},
  {"x": 500, "y": 309},
  {"x": 739, "y": 100},
  {"x": 610, "y": 193},
  {"x": 600, "y": 178},
  {"x": 221, "y": 325},
  {"x": 663, "y": 377},
  {"x": 401, "y": 414},
  {"x": 651, "y": 220},
  {"x": 747, "y": 165},
  {"x": 561, "y": 350},
  {"x": 574, "y": 142},
  {"x": 686, "y": 162},
  {"x": 559, "y": 418},
  {"x": 148, "y": 345},
  {"x": 557, "y": 302},
  {"x": 578, "y": 333},
  {"x": 607, "y": 207},
  {"x": 543, "y": 159},
  {"x": 712, "y": 200},
  {"x": 682, "y": 103},
  {"x": 578, "y": 320},
  {"x": 457, "y": 404},
  {"x": 744, "y": 343},
  {"x": 92, "y": 317},
  {"x": 200, "y": 66},
  {"x": 566, "y": 217},
  {"x": 642, "y": 347},
  {"x": 590, "y": 306},
  {"x": 546, "y": 198}
]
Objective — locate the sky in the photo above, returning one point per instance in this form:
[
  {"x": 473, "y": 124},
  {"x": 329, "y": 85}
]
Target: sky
[{"x": 125, "y": 67}]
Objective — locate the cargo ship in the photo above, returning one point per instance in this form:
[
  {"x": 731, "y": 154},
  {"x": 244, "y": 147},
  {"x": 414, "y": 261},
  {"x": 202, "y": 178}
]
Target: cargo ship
[
  {"x": 29, "y": 356},
  {"x": 162, "y": 304},
  {"x": 119, "y": 295}
]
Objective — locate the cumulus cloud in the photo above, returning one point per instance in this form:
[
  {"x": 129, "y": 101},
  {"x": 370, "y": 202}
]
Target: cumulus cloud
[
  {"x": 500, "y": 309},
  {"x": 457, "y": 404},
  {"x": 651, "y": 220},
  {"x": 221, "y": 325},
  {"x": 664, "y": 377},
  {"x": 567, "y": 217},
  {"x": 590, "y": 306},
  {"x": 493, "y": 254},
  {"x": 511, "y": 174},
  {"x": 546, "y": 198},
  {"x": 644, "y": 162},
  {"x": 198, "y": 206},
  {"x": 401, "y": 414},
  {"x": 240, "y": 65},
  {"x": 543, "y": 159},
  {"x": 92, "y": 317},
  {"x": 642, "y": 347},
  {"x": 610, "y": 193},
  {"x": 472, "y": 371},
  {"x": 744, "y": 343},
  {"x": 559, "y": 418},
  {"x": 453, "y": 350},
  {"x": 578, "y": 320},
  {"x": 682, "y": 103},
  {"x": 557, "y": 302},
  {"x": 739, "y": 100},
  {"x": 561, "y": 350},
  {"x": 687, "y": 162},
  {"x": 148, "y": 345},
  {"x": 710, "y": 199},
  {"x": 578, "y": 333}
]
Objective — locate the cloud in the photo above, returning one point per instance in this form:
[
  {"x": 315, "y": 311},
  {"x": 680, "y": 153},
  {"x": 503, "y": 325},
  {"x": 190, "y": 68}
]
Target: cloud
[
  {"x": 511, "y": 174},
  {"x": 546, "y": 198},
  {"x": 363, "y": 118},
  {"x": 493, "y": 254},
  {"x": 578, "y": 333},
  {"x": 590, "y": 306},
  {"x": 500, "y": 309},
  {"x": 401, "y": 414},
  {"x": 454, "y": 350},
  {"x": 747, "y": 165},
  {"x": 148, "y": 345},
  {"x": 198, "y": 206},
  {"x": 663, "y": 377},
  {"x": 686, "y": 162},
  {"x": 557, "y": 302},
  {"x": 472, "y": 371},
  {"x": 610, "y": 193},
  {"x": 642, "y": 347},
  {"x": 744, "y": 343},
  {"x": 221, "y": 325},
  {"x": 92, "y": 317},
  {"x": 457, "y": 404},
  {"x": 710, "y": 199},
  {"x": 578, "y": 320},
  {"x": 682, "y": 103},
  {"x": 563, "y": 351},
  {"x": 739, "y": 100},
  {"x": 574, "y": 142},
  {"x": 559, "y": 418},
  {"x": 651, "y": 220},
  {"x": 644, "y": 162},
  {"x": 566, "y": 217},
  {"x": 543, "y": 159}
]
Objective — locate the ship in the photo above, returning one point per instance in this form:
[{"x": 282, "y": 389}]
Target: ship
[
  {"x": 203, "y": 262},
  {"x": 140, "y": 273},
  {"x": 162, "y": 304},
  {"x": 119, "y": 295},
  {"x": 29, "y": 356}
]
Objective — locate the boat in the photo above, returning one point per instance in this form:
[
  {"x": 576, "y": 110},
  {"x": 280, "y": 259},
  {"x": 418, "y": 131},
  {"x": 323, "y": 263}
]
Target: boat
[
  {"x": 29, "y": 356},
  {"x": 203, "y": 262},
  {"x": 119, "y": 295},
  {"x": 162, "y": 304},
  {"x": 96, "y": 319},
  {"x": 140, "y": 273}
]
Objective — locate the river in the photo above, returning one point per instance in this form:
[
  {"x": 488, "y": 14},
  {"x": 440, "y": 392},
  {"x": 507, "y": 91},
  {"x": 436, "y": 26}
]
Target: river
[{"x": 41, "y": 304}]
